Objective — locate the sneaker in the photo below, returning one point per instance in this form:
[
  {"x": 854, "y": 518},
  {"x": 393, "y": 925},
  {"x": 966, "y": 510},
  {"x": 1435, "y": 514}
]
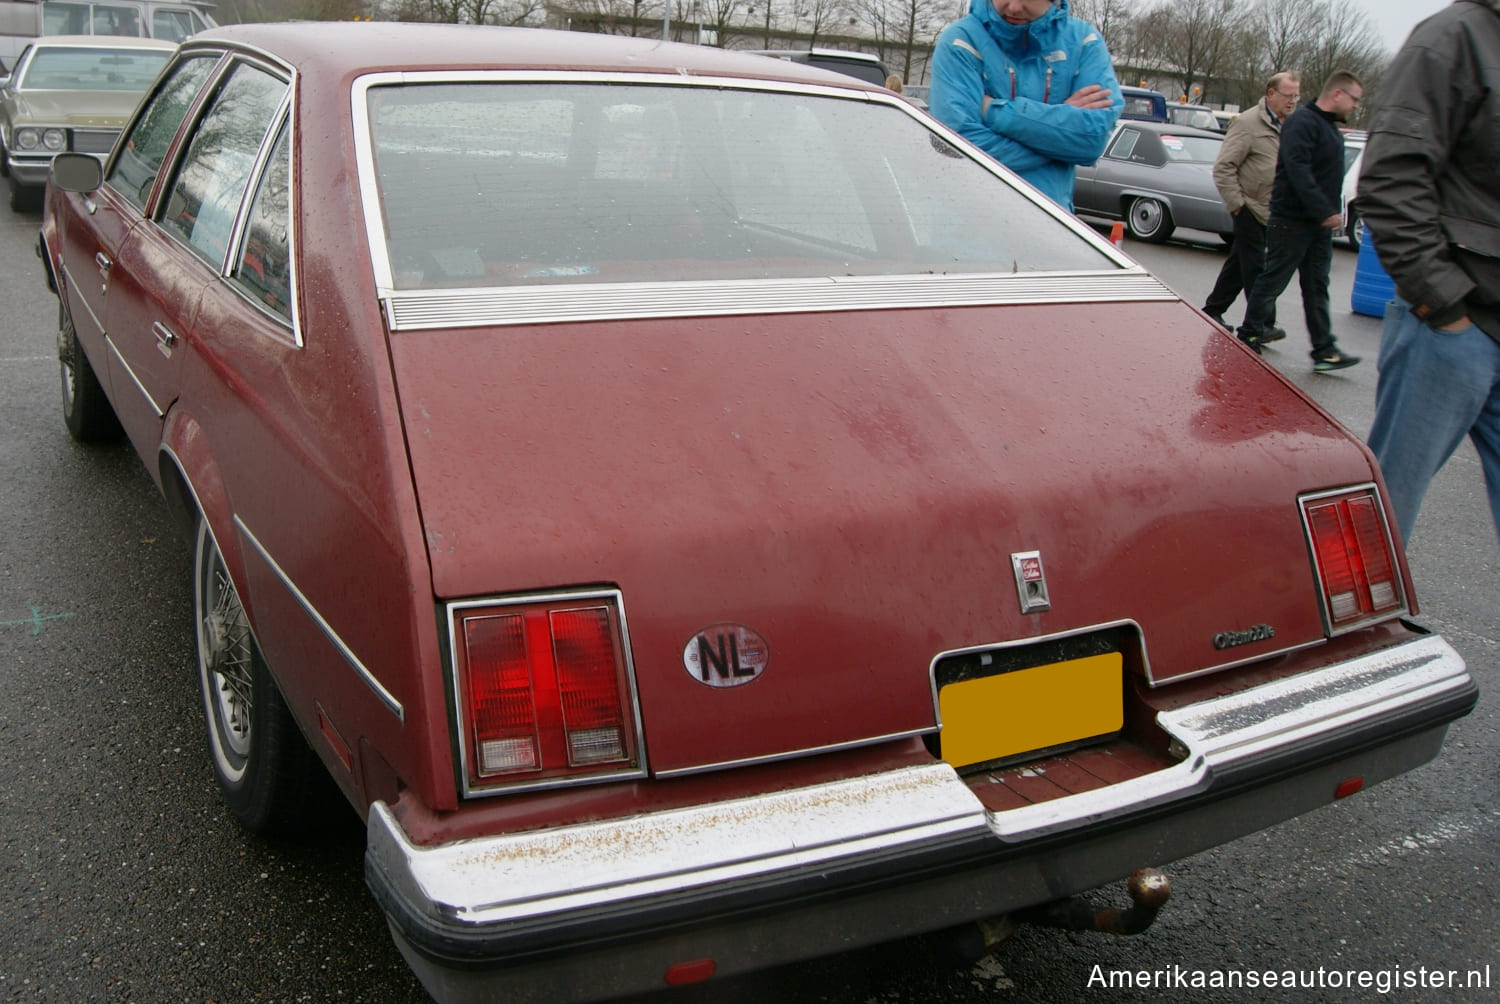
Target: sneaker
[
  {"x": 1332, "y": 360},
  {"x": 1252, "y": 342},
  {"x": 1273, "y": 334},
  {"x": 1218, "y": 319}
]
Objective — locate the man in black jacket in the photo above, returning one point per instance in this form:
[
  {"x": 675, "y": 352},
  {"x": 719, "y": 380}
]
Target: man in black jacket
[
  {"x": 1428, "y": 196},
  {"x": 1305, "y": 211}
]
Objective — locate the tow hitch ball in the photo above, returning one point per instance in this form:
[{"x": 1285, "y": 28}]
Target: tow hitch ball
[{"x": 1149, "y": 891}]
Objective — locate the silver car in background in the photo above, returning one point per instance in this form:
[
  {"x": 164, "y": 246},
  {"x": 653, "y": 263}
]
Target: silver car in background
[{"x": 1156, "y": 176}]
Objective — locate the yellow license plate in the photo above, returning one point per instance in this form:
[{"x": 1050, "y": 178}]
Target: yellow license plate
[{"x": 1031, "y": 709}]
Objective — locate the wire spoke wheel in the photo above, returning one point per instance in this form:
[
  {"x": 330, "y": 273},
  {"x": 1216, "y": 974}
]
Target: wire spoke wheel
[
  {"x": 268, "y": 776},
  {"x": 225, "y": 656}
]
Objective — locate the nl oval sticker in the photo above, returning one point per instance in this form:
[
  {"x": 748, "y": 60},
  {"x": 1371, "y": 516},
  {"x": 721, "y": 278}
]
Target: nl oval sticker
[{"x": 726, "y": 655}]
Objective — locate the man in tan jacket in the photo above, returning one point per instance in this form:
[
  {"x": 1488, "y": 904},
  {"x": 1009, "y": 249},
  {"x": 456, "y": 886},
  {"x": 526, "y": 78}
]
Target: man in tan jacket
[{"x": 1243, "y": 173}]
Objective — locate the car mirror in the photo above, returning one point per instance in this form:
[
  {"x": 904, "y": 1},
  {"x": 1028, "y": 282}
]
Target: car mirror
[{"x": 76, "y": 172}]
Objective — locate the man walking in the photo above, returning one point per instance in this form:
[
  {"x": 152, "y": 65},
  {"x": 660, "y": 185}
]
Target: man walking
[
  {"x": 1305, "y": 211},
  {"x": 1243, "y": 173},
  {"x": 1031, "y": 85},
  {"x": 1428, "y": 196}
]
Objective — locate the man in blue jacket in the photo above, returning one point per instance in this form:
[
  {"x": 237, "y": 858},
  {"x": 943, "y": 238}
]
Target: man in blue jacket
[{"x": 1030, "y": 84}]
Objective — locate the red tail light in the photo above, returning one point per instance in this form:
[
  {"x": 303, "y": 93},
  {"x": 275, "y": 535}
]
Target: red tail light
[
  {"x": 543, "y": 690},
  {"x": 1355, "y": 557}
]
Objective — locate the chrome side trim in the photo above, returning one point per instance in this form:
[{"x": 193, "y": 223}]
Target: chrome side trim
[
  {"x": 360, "y": 670},
  {"x": 67, "y": 275},
  {"x": 120, "y": 358},
  {"x": 796, "y": 754},
  {"x": 494, "y": 880},
  {"x": 1227, "y": 731},
  {"x": 498, "y": 879},
  {"x": 484, "y": 307}
]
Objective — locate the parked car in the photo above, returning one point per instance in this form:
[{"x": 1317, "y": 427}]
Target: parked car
[
  {"x": 1156, "y": 177},
  {"x": 692, "y": 534},
  {"x": 1223, "y": 119},
  {"x": 860, "y": 65},
  {"x": 70, "y": 92},
  {"x": 171, "y": 20},
  {"x": 1354, "y": 153},
  {"x": 1197, "y": 116},
  {"x": 1143, "y": 104}
]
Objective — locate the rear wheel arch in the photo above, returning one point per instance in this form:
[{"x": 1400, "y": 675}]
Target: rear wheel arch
[{"x": 269, "y": 775}]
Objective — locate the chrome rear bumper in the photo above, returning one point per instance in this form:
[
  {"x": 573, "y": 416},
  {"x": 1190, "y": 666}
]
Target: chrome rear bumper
[{"x": 606, "y": 908}]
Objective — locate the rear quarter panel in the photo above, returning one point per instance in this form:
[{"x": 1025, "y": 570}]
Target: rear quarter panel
[{"x": 316, "y": 490}]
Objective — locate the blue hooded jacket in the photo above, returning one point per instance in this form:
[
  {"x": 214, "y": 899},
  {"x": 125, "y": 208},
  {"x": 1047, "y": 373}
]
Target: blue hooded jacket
[{"x": 1029, "y": 71}]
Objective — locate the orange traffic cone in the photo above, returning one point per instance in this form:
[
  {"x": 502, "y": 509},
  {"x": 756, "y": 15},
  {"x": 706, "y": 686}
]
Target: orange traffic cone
[{"x": 1117, "y": 233}]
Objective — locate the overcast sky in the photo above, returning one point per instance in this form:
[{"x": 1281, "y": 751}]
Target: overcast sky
[{"x": 1394, "y": 19}]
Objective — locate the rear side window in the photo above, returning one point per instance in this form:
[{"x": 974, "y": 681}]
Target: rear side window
[
  {"x": 134, "y": 170},
  {"x": 173, "y": 24},
  {"x": 113, "y": 20},
  {"x": 210, "y": 182},
  {"x": 264, "y": 268}
]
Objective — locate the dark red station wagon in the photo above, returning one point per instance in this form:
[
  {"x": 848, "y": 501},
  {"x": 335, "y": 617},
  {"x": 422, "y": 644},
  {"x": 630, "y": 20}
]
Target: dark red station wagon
[{"x": 702, "y": 513}]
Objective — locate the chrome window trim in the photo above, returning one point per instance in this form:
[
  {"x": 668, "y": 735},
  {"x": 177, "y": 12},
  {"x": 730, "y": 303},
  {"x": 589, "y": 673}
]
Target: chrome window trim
[
  {"x": 504, "y": 787},
  {"x": 182, "y": 141},
  {"x": 1303, "y": 500},
  {"x": 236, "y": 253},
  {"x": 369, "y": 679},
  {"x": 554, "y": 304},
  {"x": 412, "y": 309},
  {"x": 195, "y": 107}
]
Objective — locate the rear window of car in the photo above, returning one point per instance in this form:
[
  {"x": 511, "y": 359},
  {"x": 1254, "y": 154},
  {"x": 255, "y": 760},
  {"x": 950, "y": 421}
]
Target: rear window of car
[
  {"x": 499, "y": 183},
  {"x": 85, "y": 68}
]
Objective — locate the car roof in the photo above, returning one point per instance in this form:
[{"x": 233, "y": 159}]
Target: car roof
[
  {"x": 1173, "y": 128},
  {"x": 99, "y": 42},
  {"x": 803, "y": 54},
  {"x": 349, "y": 48}
]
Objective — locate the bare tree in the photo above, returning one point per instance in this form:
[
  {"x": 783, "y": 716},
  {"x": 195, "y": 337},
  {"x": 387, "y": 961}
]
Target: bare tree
[
  {"x": 1113, "y": 18},
  {"x": 1345, "y": 40},
  {"x": 1193, "y": 41},
  {"x": 817, "y": 17},
  {"x": 914, "y": 24},
  {"x": 510, "y": 12}
]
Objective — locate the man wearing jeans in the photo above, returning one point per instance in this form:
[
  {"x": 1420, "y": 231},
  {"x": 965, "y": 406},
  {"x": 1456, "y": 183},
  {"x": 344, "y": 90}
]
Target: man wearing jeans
[
  {"x": 1305, "y": 211},
  {"x": 1243, "y": 173},
  {"x": 1428, "y": 196}
]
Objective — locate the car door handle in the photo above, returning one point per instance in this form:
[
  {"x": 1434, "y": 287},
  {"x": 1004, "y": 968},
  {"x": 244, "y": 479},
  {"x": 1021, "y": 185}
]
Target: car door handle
[
  {"x": 105, "y": 264},
  {"x": 165, "y": 339}
]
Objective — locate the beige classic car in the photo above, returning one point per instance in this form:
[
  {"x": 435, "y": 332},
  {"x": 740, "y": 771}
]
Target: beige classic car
[{"x": 70, "y": 93}]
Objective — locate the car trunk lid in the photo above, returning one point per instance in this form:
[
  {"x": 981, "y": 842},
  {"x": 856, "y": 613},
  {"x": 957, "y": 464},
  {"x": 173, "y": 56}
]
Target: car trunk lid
[{"x": 851, "y": 490}]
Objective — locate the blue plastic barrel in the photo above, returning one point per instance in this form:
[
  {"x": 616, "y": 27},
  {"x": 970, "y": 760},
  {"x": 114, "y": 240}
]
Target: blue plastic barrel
[{"x": 1372, "y": 287}]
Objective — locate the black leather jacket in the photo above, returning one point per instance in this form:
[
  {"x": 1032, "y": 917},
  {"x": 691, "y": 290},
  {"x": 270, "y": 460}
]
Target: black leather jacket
[{"x": 1427, "y": 186}]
